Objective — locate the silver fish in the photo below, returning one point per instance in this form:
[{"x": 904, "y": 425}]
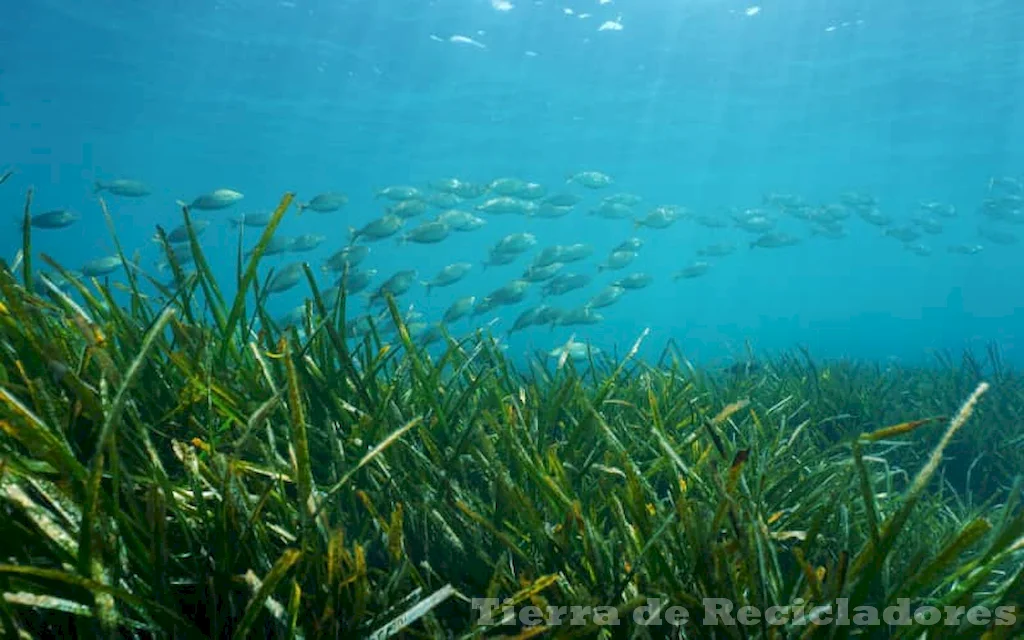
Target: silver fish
[
  {"x": 325, "y": 202},
  {"x": 449, "y": 275},
  {"x": 217, "y": 199},
  {"x": 378, "y": 229},
  {"x": 123, "y": 187},
  {"x": 285, "y": 278}
]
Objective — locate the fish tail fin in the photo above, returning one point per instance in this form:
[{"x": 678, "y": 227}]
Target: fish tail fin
[
  {"x": 353, "y": 234},
  {"x": 300, "y": 207},
  {"x": 182, "y": 204},
  {"x": 637, "y": 223},
  {"x": 427, "y": 285},
  {"x": 98, "y": 186}
]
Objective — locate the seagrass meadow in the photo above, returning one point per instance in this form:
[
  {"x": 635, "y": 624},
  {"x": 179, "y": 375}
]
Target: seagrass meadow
[{"x": 169, "y": 471}]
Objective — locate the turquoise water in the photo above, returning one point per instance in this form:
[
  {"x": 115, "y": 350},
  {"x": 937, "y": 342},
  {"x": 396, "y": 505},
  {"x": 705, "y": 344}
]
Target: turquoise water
[{"x": 705, "y": 104}]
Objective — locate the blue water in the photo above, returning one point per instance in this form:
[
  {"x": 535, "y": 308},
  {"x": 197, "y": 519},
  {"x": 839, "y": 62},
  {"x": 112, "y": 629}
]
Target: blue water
[{"x": 694, "y": 103}]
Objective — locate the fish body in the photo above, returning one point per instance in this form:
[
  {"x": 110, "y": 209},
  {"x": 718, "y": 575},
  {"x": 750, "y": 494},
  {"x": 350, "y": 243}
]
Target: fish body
[
  {"x": 536, "y": 273},
  {"x": 56, "y": 219},
  {"x": 101, "y": 266},
  {"x": 497, "y": 258},
  {"x": 449, "y": 275},
  {"x": 550, "y": 211},
  {"x": 834, "y": 231},
  {"x": 830, "y": 213},
  {"x": 564, "y": 283},
  {"x": 325, "y": 202},
  {"x": 217, "y": 199},
  {"x": 574, "y": 351},
  {"x": 515, "y": 243},
  {"x": 350, "y": 256},
  {"x": 396, "y": 285},
  {"x": 548, "y": 256},
  {"x": 903, "y": 234},
  {"x": 695, "y": 270},
  {"x": 507, "y": 205},
  {"x": 874, "y": 216},
  {"x": 458, "y": 220},
  {"x": 612, "y": 211},
  {"x": 754, "y": 221},
  {"x": 577, "y": 317},
  {"x": 939, "y": 209},
  {"x": 275, "y": 246},
  {"x": 408, "y": 208},
  {"x": 293, "y": 318},
  {"x": 617, "y": 260},
  {"x": 378, "y": 229},
  {"x": 446, "y": 185},
  {"x": 627, "y": 199},
  {"x": 997, "y": 236},
  {"x": 630, "y": 244},
  {"x": 357, "y": 281},
  {"x": 179, "y": 234},
  {"x": 459, "y": 309},
  {"x": 123, "y": 187},
  {"x": 443, "y": 200},
  {"x": 931, "y": 226},
  {"x": 182, "y": 255},
  {"x": 634, "y": 281},
  {"x": 607, "y": 297},
  {"x": 306, "y": 242},
  {"x": 427, "y": 233},
  {"x": 484, "y": 306},
  {"x": 857, "y": 199},
  {"x": 965, "y": 249},
  {"x": 285, "y": 278},
  {"x": 400, "y": 192},
  {"x": 528, "y": 318},
  {"x": 774, "y": 241},
  {"x": 575, "y": 252},
  {"x": 591, "y": 179},
  {"x": 508, "y": 187},
  {"x": 512, "y": 293},
  {"x": 532, "y": 191},
  {"x": 659, "y": 218}
]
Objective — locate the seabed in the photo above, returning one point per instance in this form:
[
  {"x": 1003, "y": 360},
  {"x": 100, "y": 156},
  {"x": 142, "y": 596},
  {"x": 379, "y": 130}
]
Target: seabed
[{"x": 168, "y": 471}]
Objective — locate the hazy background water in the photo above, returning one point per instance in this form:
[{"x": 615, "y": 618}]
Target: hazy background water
[{"x": 704, "y": 103}]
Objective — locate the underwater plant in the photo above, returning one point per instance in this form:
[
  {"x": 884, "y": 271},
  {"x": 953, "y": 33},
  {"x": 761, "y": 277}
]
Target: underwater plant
[{"x": 178, "y": 466}]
